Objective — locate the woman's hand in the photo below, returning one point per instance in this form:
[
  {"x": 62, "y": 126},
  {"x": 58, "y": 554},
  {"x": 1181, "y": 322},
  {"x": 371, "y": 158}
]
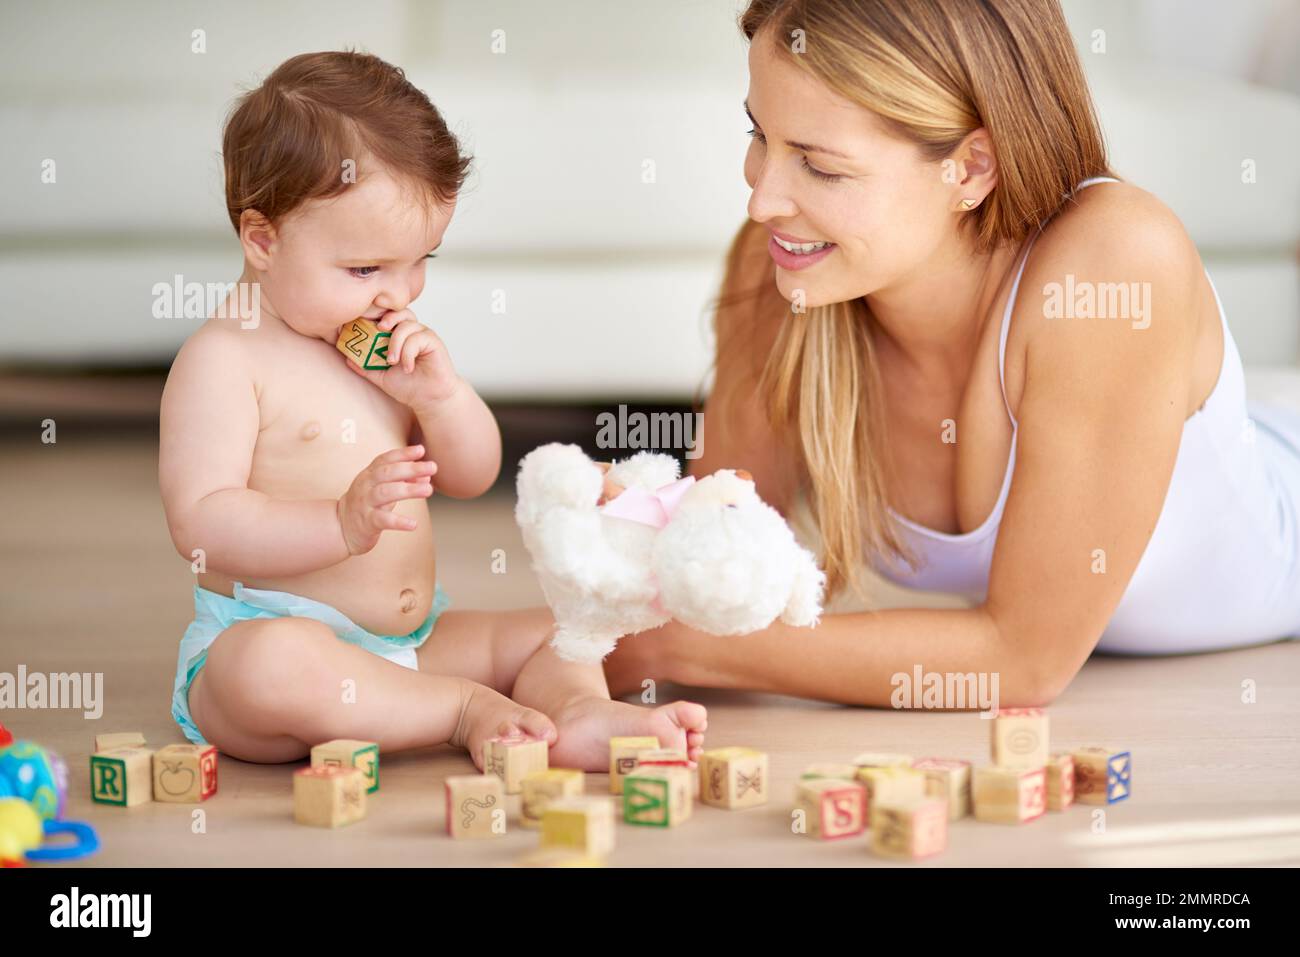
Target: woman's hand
[
  {"x": 420, "y": 373},
  {"x": 612, "y": 488},
  {"x": 366, "y": 509}
]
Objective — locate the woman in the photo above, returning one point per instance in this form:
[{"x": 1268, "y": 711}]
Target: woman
[{"x": 983, "y": 363}]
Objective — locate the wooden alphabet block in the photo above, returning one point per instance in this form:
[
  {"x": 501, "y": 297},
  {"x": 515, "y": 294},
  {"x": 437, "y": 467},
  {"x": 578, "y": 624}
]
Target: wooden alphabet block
[
  {"x": 559, "y": 857},
  {"x": 622, "y": 758},
  {"x": 513, "y": 757},
  {"x": 909, "y": 829},
  {"x": 585, "y": 822},
  {"x": 662, "y": 758},
  {"x": 1102, "y": 775},
  {"x": 119, "y": 739},
  {"x": 348, "y": 753},
  {"x": 542, "y": 787},
  {"x": 1010, "y": 795},
  {"x": 842, "y": 772},
  {"x": 832, "y": 808},
  {"x": 1020, "y": 738},
  {"x": 364, "y": 343},
  {"x": 329, "y": 796},
  {"x": 122, "y": 776},
  {"x": 1060, "y": 781},
  {"x": 882, "y": 759},
  {"x": 185, "y": 773},
  {"x": 475, "y": 805},
  {"x": 948, "y": 779},
  {"x": 894, "y": 782},
  {"x": 733, "y": 778},
  {"x": 658, "y": 796}
]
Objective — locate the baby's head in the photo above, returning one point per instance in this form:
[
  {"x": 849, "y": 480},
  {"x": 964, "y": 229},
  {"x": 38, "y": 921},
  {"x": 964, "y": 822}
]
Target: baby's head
[{"x": 341, "y": 178}]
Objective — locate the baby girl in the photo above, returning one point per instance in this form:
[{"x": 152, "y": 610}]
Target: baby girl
[{"x": 295, "y": 481}]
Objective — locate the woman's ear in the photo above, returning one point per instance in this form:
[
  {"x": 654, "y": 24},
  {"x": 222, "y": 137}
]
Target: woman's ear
[
  {"x": 977, "y": 169},
  {"x": 256, "y": 235}
]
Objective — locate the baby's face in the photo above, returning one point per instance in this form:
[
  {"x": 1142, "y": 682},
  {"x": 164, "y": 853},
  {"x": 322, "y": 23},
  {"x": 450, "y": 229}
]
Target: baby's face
[{"x": 362, "y": 253}]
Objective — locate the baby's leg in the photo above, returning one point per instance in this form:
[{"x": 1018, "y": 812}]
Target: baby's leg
[
  {"x": 272, "y": 688},
  {"x": 510, "y": 651}
]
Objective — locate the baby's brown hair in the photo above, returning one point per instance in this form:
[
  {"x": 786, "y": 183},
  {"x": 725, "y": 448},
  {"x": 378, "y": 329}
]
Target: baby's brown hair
[{"x": 288, "y": 140}]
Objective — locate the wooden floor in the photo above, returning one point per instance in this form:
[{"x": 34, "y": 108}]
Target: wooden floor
[{"x": 92, "y": 584}]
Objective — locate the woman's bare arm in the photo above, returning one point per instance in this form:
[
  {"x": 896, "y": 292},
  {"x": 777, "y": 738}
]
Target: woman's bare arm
[
  {"x": 208, "y": 429},
  {"x": 1101, "y": 419}
]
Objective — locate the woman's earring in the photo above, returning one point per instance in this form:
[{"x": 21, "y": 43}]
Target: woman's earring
[{"x": 968, "y": 204}]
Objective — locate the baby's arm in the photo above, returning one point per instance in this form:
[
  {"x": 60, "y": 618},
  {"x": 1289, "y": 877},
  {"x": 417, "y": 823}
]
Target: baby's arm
[
  {"x": 208, "y": 428},
  {"x": 450, "y": 419},
  {"x": 462, "y": 434}
]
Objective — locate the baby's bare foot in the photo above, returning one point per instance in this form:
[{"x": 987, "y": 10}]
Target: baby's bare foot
[
  {"x": 586, "y": 725},
  {"x": 487, "y": 714}
]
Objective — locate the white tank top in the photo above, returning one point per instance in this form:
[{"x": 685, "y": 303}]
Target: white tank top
[{"x": 1222, "y": 567}]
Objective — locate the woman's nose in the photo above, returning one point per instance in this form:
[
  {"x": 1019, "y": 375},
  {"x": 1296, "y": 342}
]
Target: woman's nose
[{"x": 769, "y": 198}]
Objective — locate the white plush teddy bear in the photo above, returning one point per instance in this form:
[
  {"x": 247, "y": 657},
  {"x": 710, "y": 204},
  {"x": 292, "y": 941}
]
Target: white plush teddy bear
[{"x": 710, "y": 553}]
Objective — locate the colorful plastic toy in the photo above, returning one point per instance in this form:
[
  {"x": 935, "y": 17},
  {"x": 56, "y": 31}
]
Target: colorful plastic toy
[
  {"x": 22, "y": 833},
  {"x": 33, "y": 795},
  {"x": 36, "y": 775}
]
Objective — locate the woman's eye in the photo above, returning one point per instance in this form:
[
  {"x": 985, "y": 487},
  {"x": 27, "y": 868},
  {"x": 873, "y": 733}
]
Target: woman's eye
[
  {"x": 824, "y": 177},
  {"x": 361, "y": 272},
  {"x": 827, "y": 177}
]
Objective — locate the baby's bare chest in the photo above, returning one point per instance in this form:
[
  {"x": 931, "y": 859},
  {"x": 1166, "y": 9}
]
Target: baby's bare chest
[{"x": 319, "y": 426}]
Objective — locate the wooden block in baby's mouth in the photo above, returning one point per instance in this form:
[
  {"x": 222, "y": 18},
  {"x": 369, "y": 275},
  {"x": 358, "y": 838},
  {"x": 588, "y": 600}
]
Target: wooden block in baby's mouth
[{"x": 364, "y": 343}]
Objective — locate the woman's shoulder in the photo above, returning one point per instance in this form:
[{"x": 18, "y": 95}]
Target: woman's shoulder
[
  {"x": 1110, "y": 284},
  {"x": 1115, "y": 227}
]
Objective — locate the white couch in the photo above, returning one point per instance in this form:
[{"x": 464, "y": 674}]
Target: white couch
[{"x": 606, "y": 277}]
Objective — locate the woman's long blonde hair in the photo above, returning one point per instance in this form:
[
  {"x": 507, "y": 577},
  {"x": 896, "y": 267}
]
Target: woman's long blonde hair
[{"x": 933, "y": 70}]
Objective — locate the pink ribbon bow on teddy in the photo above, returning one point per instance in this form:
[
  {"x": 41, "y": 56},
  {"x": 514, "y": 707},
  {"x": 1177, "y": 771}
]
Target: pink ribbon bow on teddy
[{"x": 652, "y": 508}]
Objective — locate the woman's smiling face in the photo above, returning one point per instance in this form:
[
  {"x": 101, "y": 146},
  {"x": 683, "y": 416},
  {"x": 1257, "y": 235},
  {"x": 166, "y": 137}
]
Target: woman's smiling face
[{"x": 825, "y": 170}]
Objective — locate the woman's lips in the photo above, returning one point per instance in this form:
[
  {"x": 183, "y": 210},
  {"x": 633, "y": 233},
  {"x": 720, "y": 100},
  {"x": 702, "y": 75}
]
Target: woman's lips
[{"x": 795, "y": 261}]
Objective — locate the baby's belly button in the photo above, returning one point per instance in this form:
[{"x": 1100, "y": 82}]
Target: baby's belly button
[{"x": 408, "y": 600}]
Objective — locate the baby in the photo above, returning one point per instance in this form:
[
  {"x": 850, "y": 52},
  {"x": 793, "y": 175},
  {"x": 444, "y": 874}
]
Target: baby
[{"x": 295, "y": 481}]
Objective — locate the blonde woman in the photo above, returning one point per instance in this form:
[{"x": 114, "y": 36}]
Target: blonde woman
[{"x": 982, "y": 365}]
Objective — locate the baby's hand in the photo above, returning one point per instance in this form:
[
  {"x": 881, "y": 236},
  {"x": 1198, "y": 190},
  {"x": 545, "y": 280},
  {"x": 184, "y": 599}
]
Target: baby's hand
[
  {"x": 366, "y": 508},
  {"x": 420, "y": 374}
]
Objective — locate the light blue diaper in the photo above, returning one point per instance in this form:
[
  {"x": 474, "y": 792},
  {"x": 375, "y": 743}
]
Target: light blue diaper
[{"x": 214, "y": 613}]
